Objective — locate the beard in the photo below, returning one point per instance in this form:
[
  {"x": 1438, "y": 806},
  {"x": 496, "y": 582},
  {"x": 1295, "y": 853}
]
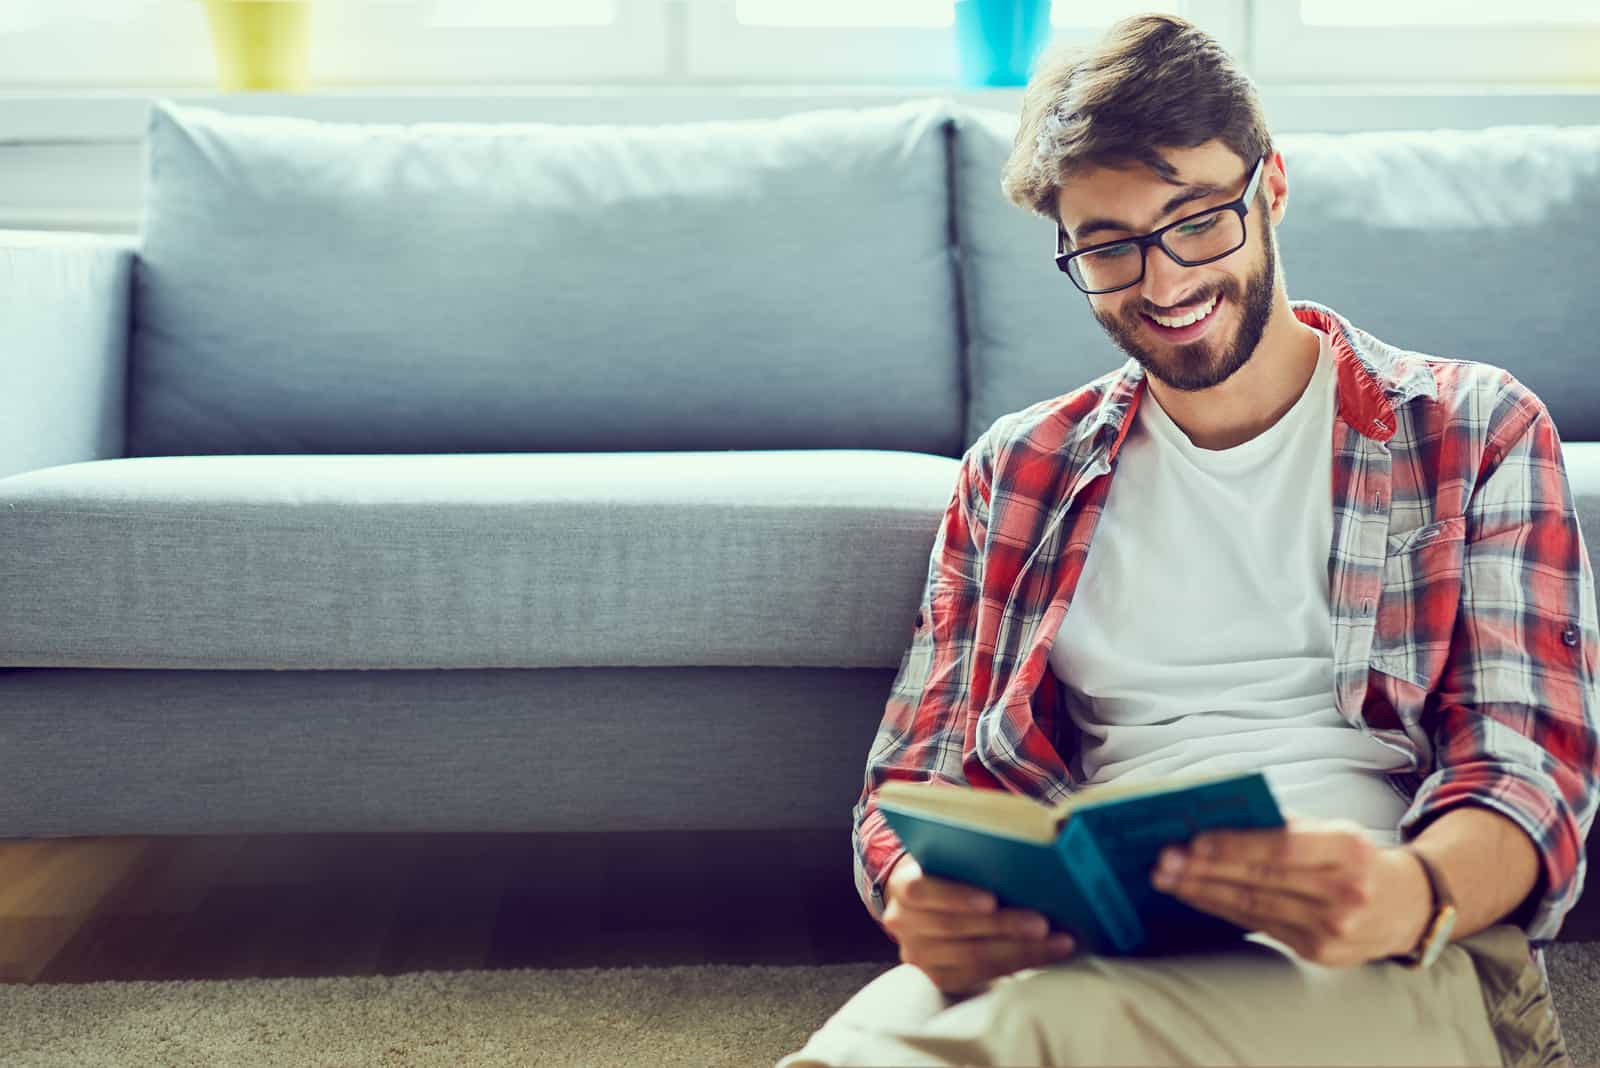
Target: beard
[{"x": 1204, "y": 363}]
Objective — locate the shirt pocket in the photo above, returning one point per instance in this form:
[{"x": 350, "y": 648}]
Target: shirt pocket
[{"x": 1419, "y": 601}]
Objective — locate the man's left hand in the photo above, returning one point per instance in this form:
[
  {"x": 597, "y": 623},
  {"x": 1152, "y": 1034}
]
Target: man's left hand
[{"x": 1322, "y": 887}]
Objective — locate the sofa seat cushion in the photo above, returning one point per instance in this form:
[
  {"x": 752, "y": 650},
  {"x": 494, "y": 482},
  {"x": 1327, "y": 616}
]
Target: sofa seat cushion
[{"x": 805, "y": 558}]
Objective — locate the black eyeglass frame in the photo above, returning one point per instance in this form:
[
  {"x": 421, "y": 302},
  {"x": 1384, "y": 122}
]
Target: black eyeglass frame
[{"x": 1240, "y": 206}]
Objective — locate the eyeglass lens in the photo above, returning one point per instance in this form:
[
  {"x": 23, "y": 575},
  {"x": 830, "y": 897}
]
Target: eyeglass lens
[{"x": 1207, "y": 237}]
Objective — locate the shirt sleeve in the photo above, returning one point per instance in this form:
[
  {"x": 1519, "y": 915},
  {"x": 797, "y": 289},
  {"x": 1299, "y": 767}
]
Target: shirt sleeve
[
  {"x": 922, "y": 735},
  {"x": 1513, "y": 720}
]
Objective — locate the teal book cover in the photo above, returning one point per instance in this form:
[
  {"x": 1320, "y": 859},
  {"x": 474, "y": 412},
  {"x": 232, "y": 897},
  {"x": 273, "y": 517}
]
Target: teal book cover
[{"x": 1085, "y": 863}]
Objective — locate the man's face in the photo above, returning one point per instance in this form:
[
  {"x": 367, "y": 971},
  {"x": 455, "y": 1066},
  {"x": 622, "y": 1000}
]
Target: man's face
[{"x": 1243, "y": 280}]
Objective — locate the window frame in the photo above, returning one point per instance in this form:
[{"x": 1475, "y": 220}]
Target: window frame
[
  {"x": 719, "y": 47},
  {"x": 173, "y": 49},
  {"x": 700, "y": 43},
  {"x": 1284, "y": 49}
]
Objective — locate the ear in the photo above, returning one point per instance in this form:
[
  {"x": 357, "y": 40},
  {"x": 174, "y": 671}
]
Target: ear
[{"x": 1275, "y": 180}]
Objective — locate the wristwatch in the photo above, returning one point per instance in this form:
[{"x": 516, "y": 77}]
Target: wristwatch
[{"x": 1436, "y": 932}]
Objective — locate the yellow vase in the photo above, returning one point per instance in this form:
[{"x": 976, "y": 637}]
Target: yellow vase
[{"x": 261, "y": 44}]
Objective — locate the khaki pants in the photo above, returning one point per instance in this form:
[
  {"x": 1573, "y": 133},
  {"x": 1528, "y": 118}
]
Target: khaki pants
[{"x": 1483, "y": 1002}]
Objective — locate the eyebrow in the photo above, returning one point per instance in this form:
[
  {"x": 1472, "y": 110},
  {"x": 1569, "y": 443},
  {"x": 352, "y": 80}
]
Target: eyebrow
[{"x": 1190, "y": 192}]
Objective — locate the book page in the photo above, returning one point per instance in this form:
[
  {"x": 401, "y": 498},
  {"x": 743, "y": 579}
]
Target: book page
[
  {"x": 1111, "y": 791},
  {"x": 1015, "y": 815},
  {"x": 1011, "y": 814}
]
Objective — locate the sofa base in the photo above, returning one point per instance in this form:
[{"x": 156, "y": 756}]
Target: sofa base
[{"x": 129, "y": 752}]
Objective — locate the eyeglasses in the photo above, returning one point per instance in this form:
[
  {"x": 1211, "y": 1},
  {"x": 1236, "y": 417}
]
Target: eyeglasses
[{"x": 1192, "y": 240}]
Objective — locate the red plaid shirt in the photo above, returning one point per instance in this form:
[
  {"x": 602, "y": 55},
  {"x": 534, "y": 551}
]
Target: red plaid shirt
[{"x": 1462, "y": 601}]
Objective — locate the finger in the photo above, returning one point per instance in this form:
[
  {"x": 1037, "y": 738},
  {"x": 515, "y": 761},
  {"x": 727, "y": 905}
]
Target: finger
[
  {"x": 1307, "y": 844},
  {"x": 987, "y": 957},
  {"x": 1253, "y": 906},
  {"x": 1320, "y": 887},
  {"x": 1006, "y": 923},
  {"x": 1005, "y": 964},
  {"x": 965, "y": 961},
  {"x": 946, "y": 895},
  {"x": 966, "y": 967}
]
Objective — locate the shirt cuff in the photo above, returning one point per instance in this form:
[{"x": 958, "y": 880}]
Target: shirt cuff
[{"x": 1533, "y": 805}]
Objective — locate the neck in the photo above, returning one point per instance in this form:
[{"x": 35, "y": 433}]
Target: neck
[{"x": 1257, "y": 395}]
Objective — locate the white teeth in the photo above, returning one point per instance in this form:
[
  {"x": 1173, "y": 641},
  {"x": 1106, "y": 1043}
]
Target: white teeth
[{"x": 1193, "y": 317}]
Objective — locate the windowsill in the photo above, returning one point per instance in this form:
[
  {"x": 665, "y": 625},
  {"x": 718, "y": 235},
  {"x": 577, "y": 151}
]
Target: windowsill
[
  {"x": 685, "y": 87},
  {"x": 119, "y": 115},
  {"x": 90, "y": 115},
  {"x": 490, "y": 89}
]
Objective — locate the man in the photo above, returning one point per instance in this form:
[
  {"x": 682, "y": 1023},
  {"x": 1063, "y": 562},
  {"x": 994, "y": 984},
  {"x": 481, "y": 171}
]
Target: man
[{"x": 1270, "y": 541}]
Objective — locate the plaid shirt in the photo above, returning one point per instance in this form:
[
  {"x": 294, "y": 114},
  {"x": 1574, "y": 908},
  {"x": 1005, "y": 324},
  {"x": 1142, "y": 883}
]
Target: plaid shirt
[{"x": 1461, "y": 595}]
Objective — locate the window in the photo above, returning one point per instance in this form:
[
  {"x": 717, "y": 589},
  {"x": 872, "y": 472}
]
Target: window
[
  {"x": 879, "y": 13},
  {"x": 165, "y": 44},
  {"x": 53, "y": 44},
  {"x": 503, "y": 13},
  {"x": 1447, "y": 13},
  {"x": 885, "y": 40},
  {"x": 1529, "y": 41}
]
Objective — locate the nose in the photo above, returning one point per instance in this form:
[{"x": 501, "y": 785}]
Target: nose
[{"x": 1168, "y": 283}]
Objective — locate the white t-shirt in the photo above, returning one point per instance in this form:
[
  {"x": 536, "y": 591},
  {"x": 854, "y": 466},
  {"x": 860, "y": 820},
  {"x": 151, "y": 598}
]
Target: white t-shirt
[{"x": 1199, "y": 637}]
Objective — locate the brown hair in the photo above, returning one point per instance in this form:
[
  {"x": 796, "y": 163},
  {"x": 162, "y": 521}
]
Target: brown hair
[{"x": 1152, "y": 81}]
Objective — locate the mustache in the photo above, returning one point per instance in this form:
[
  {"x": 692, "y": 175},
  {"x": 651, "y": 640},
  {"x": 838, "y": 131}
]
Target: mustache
[{"x": 1151, "y": 309}]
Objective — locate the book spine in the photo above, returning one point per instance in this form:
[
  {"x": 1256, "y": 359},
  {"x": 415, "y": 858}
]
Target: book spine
[{"x": 1100, "y": 887}]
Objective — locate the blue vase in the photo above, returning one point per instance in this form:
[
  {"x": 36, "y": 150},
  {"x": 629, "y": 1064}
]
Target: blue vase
[{"x": 997, "y": 41}]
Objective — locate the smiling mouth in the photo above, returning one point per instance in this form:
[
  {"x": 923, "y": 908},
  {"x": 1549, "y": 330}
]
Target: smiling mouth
[
  {"x": 1178, "y": 322},
  {"x": 1190, "y": 330}
]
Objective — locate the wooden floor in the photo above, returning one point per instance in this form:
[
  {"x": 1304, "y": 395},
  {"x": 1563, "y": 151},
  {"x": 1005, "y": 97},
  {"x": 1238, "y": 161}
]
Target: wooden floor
[{"x": 76, "y": 910}]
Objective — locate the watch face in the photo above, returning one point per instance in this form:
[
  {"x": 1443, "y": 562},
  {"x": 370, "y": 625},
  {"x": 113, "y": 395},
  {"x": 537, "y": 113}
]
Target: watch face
[{"x": 1439, "y": 935}]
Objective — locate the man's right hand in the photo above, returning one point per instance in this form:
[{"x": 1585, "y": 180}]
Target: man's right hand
[{"x": 955, "y": 933}]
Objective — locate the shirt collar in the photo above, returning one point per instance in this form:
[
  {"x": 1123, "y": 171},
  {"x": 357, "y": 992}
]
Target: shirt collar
[{"x": 1373, "y": 378}]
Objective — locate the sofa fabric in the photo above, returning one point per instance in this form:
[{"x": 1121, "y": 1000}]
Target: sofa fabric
[
  {"x": 1460, "y": 243},
  {"x": 63, "y": 347},
  {"x": 459, "y": 461},
  {"x": 1029, "y": 332},
  {"x": 810, "y": 558},
  {"x": 321, "y": 287},
  {"x": 95, "y": 752}
]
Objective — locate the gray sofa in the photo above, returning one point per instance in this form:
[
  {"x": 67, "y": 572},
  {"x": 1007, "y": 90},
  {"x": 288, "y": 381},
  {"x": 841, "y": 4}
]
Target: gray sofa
[{"x": 523, "y": 477}]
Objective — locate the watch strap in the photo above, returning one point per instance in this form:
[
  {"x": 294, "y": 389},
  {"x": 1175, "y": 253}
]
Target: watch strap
[{"x": 1441, "y": 920}]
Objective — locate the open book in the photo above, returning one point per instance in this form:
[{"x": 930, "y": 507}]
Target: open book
[{"x": 1085, "y": 863}]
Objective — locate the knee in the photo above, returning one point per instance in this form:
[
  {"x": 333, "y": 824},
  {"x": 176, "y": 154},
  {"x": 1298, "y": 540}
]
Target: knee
[
  {"x": 1075, "y": 988},
  {"x": 899, "y": 1002},
  {"x": 1064, "y": 1014},
  {"x": 902, "y": 997}
]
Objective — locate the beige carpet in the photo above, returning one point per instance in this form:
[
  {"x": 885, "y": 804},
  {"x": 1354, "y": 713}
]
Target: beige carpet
[
  {"x": 705, "y": 1017},
  {"x": 720, "y": 1015}
]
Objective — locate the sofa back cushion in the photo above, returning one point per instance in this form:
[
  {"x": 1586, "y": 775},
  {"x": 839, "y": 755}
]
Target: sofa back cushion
[
  {"x": 1472, "y": 244},
  {"x": 308, "y": 286}
]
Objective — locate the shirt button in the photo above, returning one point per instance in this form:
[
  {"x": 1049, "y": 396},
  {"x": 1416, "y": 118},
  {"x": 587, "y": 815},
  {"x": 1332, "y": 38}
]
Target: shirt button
[
  {"x": 919, "y": 619},
  {"x": 1570, "y": 636},
  {"x": 1366, "y": 607},
  {"x": 1377, "y": 501}
]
